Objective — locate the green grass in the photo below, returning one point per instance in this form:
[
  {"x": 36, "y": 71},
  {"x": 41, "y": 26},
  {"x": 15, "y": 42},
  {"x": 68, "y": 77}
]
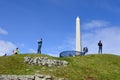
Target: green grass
[{"x": 100, "y": 67}]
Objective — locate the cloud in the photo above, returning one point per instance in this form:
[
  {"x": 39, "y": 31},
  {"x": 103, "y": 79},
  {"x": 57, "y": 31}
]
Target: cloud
[
  {"x": 6, "y": 47},
  {"x": 110, "y": 36},
  {"x": 2, "y": 31},
  {"x": 95, "y": 24}
]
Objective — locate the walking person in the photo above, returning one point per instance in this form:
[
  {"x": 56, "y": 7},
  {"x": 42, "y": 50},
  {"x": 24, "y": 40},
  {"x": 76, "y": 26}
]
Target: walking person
[
  {"x": 100, "y": 47},
  {"x": 39, "y": 46}
]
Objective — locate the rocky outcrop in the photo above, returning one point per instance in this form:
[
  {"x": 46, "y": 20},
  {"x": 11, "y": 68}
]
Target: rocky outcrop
[
  {"x": 44, "y": 61},
  {"x": 29, "y": 77}
]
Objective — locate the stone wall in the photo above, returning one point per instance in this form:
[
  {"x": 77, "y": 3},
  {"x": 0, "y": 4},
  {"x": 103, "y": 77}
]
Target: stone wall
[
  {"x": 29, "y": 77},
  {"x": 44, "y": 61}
]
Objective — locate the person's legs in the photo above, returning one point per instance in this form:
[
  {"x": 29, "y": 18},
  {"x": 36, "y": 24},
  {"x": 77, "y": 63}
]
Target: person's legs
[
  {"x": 99, "y": 50},
  {"x": 38, "y": 51}
]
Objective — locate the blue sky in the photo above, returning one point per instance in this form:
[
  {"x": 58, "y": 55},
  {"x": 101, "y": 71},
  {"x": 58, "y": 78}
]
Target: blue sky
[{"x": 23, "y": 22}]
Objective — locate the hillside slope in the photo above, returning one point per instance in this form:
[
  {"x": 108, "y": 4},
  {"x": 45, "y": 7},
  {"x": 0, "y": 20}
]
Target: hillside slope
[{"x": 99, "y": 67}]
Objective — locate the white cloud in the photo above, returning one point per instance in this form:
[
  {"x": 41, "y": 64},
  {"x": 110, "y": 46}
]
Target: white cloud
[
  {"x": 110, "y": 36},
  {"x": 95, "y": 24},
  {"x": 2, "y": 31},
  {"x": 6, "y": 47}
]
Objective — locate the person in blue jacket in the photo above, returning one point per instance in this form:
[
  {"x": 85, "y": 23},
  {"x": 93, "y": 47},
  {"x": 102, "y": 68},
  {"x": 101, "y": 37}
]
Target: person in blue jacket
[{"x": 39, "y": 46}]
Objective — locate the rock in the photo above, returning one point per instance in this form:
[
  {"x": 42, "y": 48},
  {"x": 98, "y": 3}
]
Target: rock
[
  {"x": 65, "y": 63},
  {"x": 48, "y": 77},
  {"x": 29, "y": 77},
  {"x": 44, "y": 61}
]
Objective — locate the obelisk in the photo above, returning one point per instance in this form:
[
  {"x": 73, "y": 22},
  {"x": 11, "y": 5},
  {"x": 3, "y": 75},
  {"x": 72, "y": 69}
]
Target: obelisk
[{"x": 78, "y": 36}]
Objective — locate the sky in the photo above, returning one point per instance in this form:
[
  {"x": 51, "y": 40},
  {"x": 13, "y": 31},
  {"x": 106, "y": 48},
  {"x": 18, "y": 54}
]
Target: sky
[{"x": 23, "y": 22}]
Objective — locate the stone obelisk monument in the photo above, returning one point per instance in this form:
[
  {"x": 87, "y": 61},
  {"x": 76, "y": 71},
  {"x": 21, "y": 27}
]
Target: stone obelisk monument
[{"x": 78, "y": 36}]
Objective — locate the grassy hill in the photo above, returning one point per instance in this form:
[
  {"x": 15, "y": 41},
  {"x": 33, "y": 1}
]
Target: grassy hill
[{"x": 100, "y": 67}]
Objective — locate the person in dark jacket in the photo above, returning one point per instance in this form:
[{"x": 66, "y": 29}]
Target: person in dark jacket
[
  {"x": 85, "y": 50},
  {"x": 100, "y": 47},
  {"x": 39, "y": 46}
]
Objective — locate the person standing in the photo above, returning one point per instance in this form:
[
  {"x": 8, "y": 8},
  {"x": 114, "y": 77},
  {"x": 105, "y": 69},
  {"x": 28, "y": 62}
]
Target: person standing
[
  {"x": 100, "y": 47},
  {"x": 39, "y": 46}
]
